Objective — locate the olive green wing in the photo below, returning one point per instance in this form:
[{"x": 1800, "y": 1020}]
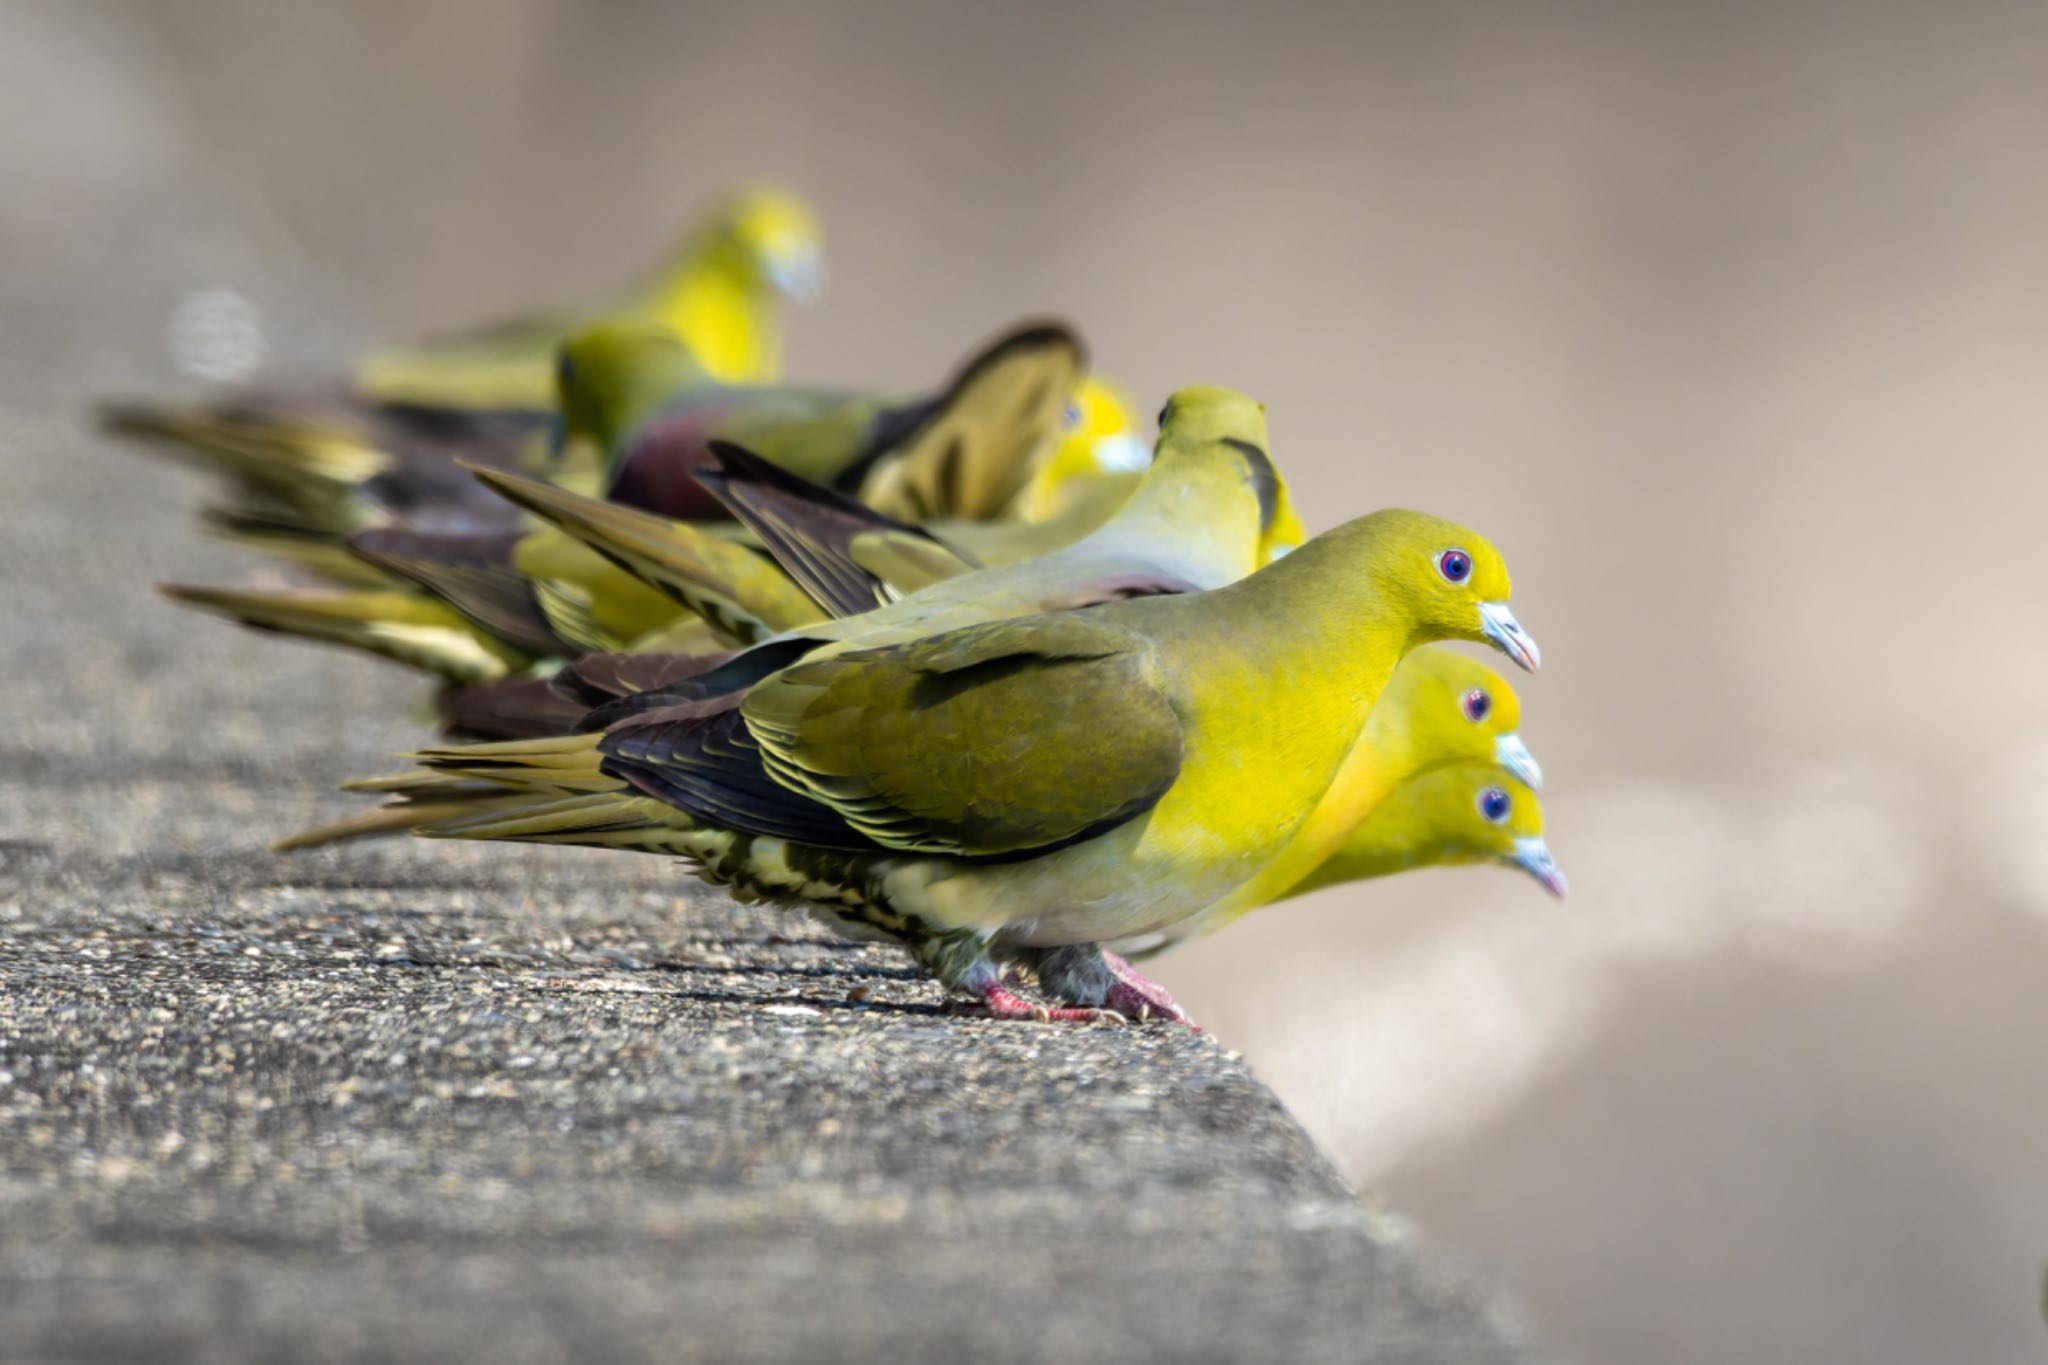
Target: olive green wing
[
  {"x": 740, "y": 592},
  {"x": 997, "y": 739},
  {"x": 977, "y": 446}
]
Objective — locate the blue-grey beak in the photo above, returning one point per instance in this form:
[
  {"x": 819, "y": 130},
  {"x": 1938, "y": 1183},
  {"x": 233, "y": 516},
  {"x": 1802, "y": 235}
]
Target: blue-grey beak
[
  {"x": 1500, "y": 626},
  {"x": 1512, "y": 754},
  {"x": 1533, "y": 856},
  {"x": 1122, "y": 453},
  {"x": 797, "y": 275}
]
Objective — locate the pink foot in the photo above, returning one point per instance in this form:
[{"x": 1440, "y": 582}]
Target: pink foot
[
  {"x": 1000, "y": 1002},
  {"x": 1138, "y": 997}
]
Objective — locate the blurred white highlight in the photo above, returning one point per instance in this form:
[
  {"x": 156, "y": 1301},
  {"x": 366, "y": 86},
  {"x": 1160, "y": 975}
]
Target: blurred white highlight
[
  {"x": 1122, "y": 453},
  {"x": 217, "y": 335}
]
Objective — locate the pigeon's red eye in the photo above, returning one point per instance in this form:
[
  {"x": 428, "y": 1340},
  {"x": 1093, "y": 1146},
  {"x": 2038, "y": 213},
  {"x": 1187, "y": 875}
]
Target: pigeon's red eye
[
  {"x": 1454, "y": 565},
  {"x": 1478, "y": 704},
  {"x": 1494, "y": 805}
]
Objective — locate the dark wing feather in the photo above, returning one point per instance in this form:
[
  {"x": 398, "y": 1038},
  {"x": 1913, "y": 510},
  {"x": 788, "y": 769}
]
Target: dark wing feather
[
  {"x": 710, "y": 767},
  {"x": 715, "y": 689},
  {"x": 474, "y": 574},
  {"x": 810, "y": 529}
]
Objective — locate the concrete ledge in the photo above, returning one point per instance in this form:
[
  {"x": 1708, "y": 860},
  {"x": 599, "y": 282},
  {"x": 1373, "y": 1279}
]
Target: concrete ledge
[{"x": 382, "y": 1105}]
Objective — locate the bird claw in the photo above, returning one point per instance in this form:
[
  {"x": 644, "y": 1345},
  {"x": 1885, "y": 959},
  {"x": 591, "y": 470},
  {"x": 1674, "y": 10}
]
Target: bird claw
[
  {"x": 1000, "y": 1002},
  {"x": 1141, "y": 997}
]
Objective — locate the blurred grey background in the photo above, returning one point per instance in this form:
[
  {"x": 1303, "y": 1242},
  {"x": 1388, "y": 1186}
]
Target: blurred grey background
[{"x": 1728, "y": 322}]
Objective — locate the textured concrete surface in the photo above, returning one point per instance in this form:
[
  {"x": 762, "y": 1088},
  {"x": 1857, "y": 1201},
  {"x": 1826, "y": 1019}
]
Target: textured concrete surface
[{"x": 514, "y": 1113}]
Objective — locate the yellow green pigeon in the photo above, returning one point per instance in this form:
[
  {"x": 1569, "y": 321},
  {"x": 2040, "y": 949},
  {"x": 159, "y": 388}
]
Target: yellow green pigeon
[
  {"x": 531, "y": 595},
  {"x": 720, "y": 292},
  {"x": 1207, "y": 514},
  {"x": 1210, "y": 509},
  {"x": 1022, "y": 787},
  {"x": 330, "y": 457},
  {"x": 1441, "y": 712}
]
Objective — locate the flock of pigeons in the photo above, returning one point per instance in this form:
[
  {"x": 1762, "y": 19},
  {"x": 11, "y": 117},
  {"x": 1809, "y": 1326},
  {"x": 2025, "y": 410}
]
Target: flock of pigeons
[{"x": 973, "y": 671}]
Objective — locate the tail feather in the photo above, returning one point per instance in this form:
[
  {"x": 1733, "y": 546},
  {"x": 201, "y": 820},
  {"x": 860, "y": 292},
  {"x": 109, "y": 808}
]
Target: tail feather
[
  {"x": 402, "y": 627},
  {"x": 587, "y": 596},
  {"x": 299, "y": 457},
  {"x": 279, "y": 534},
  {"x": 537, "y": 791},
  {"x": 338, "y": 460},
  {"x": 618, "y": 819},
  {"x": 558, "y": 763},
  {"x": 398, "y": 817},
  {"x": 420, "y": 785}
]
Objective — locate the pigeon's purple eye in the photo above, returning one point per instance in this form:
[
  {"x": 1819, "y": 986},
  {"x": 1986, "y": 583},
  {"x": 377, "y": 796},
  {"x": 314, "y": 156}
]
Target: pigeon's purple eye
[
  {"x": 1494, "y": 805},
  {"x": 1454, "y": 565},
  {"x": 1071, "y": 417},
  {"x": 1477, "y": 704}
]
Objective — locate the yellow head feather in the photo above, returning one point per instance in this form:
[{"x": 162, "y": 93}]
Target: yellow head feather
[
  {"x": 1103, "y": 444},
  {"x": 1446, "y": 581},
  {"x": 1442, "y": 706},
  {"x": 1458, "y": 813},
  {"x": 1099, "y": 444},
  {"x": 720, "y": 290}
]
